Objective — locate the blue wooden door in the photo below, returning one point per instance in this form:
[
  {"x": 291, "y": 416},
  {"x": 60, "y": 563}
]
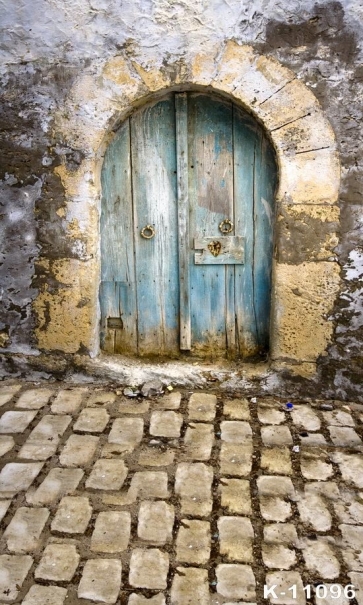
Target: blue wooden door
[{"x": 186, "y": 231}]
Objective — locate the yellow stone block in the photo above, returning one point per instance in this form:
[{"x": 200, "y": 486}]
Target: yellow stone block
[
  {"x": 304, "y": 296},
  {"x": 67, "y": 316}
]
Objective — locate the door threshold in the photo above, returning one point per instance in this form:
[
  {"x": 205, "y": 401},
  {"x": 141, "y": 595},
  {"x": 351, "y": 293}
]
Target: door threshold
[{"x": 193, "y": 373}]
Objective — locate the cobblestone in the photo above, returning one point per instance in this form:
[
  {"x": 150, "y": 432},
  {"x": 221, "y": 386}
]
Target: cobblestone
[
  {"x": 101, "y": 580},
  {"x": 23, "y": 532},
  {"x": 193, "y": 542},
  {"x": 16, "y": 422},
  {"x": 43, "y": 441},
  {"x": 148, "y": 568},
  {"x": 58, "y": 483},
  {"x": 45, "y": 595},
  {"x": 91, "y": 420},
  {"x": 72, "y": 516},
  {"x": 165, "y": 424},
  {"x": 107, "y": 475},
  {"x": 198, "y": 441},
  {"x": 191, "y": 506},
  {"x": 156, "y": 520},
  {"x": 13, "y": 571},
  {"x": 190, "y": 586},
  {"x": 34, "y": 399},
  {"x": 58, "y": 563},
  {"x": 112, "y": 532},
  {"x": 236, "y": 538}
]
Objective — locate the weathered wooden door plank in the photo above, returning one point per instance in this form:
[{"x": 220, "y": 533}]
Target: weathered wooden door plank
[
  {"x": 211, "y": 201},
  {"x": 245, "y": 141},
  {"x": 117, "y": 293},
  {"x": 181, "y": 116},
  {"x": 154, "y": 197}
]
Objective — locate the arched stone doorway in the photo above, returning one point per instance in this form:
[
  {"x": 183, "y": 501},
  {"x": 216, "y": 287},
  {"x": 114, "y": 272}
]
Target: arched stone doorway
[{"x": 187, "y": 215}]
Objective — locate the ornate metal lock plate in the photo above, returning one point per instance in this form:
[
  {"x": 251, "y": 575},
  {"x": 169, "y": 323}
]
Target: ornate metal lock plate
[{"x": 215, "y": 248}]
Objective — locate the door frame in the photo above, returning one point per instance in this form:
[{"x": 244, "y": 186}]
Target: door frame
[{"x": 305, "y": 281}]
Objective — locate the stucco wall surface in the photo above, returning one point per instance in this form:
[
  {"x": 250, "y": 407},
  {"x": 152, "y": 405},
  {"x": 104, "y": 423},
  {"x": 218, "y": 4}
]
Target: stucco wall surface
[{"x": 55, "y": 59}]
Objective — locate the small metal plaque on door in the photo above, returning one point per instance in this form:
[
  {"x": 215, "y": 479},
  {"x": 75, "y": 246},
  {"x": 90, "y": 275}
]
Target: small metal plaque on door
[{"x": 226, "y": 250}]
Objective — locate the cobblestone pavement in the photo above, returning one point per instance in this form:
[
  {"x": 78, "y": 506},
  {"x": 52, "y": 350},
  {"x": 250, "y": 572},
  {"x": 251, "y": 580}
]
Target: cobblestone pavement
[{"x": 184, "y": 499}]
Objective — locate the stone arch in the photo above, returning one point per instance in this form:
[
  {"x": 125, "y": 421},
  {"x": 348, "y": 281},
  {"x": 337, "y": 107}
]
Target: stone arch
[{"x": 305, "y": 278}]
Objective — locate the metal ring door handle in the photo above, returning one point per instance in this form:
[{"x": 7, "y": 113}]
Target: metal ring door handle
[
  {"x": 226, "y": 226},
  {"x": 147, "y": 232}
]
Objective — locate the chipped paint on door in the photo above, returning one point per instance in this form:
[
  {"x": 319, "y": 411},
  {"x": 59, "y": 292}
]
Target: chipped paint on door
[{"x": 186, "y": 231}]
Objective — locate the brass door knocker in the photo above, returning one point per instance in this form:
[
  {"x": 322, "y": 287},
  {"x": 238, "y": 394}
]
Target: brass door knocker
[
  {"x": 147, "y": 232},
  {"x": 226, "y": 226}
]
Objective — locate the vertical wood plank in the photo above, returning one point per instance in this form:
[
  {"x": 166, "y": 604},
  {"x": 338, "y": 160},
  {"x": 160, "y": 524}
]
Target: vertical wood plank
[
  {"x": 117, "y": 248},
  {"x": 264, "y": 189},
  {"x": 211, "y": 201},
  {"x": 245, "y": 141},
  {"x": 154, "y": 178},
  {"x": 181, "y": 113}
]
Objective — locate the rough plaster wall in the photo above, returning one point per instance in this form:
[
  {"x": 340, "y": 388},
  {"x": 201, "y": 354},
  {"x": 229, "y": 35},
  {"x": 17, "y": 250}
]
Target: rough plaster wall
[{"x": 46, "y": 43}]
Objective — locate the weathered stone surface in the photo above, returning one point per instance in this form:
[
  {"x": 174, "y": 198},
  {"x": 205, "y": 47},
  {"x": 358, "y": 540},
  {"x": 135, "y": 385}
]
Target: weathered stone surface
[
  {"x": 34, "y": 399},
  {"x": 338, "y": 418},
  {"x": 198, "y": 441},
  {"x": 344, "y": 436},
  {"x": 58, "y": 563},
  {"x": 68, "y": 402},
  {"x": 193, "y": 484},
  {"x": 135, "y": 599},
  {"x": 190, "y": 586},
  {"x": 73, "y": 515},
  {"x": 276, "y": 435},
  {"x": 44, "y": 438},
  {"x": 280, "y": 533},
  {"x": 283, "y": 580},
  {"x": 133, "y": 406},
  {"x": 112, "y": 532},
  {"x": 351, "y": 467},
  {"x": 236, "y": 409},
  {"x": 153, "y": 457},
  {"x": 107, "y": 475},
  {"x": 79, "y": 450},
  {"x": 91, "y": 420},
  {"x": 313, "y": 467},
  {"x": 166, "y": 424},
  {"x": 58, "y": 483},
  {"x": 6, "y": 444},
  {"x": 305, "y": 417},
  {"x": 4, "y": 505},
  {"x": 101, "y": 398},
  {"x": 16, "y": 422},
  {"x": 236, "y": 582},
  {"x": 236, "y": 538},
  {"x": 352, "y": 551},
  {"x": 193, "y": 542},
  {"x": 278, "y": 556},
  {"x": 24, "y": 530},
  {"x": 314, "y": 512},
  {"x": 45, "y": 595},
  {"x": 8, "y": 392},
  {"x": 156, "y": 520},
  {"x": 320, "y": 559},
  {"x": 127, "y": 432},
  {"x": 275, "y": 486},
  {"x": 235, "y": 496},
  {"x": 349, "y": 509},
  {"x": 270, "y": 415},
  {"x": 233, "y": 431},
  {"x": 275, "y": 509},
  {"x": 235, "y": 459},
  {"x": 276, "y": 460},
  {"x": 202, "y": 406},
  {"x": 170, "y": 402},
  {"x": 17, "y": 476},
  {"x": 101, "y": 580},
  {"x": 148, "y": 568},
  {"x": 13, "y": 571}
]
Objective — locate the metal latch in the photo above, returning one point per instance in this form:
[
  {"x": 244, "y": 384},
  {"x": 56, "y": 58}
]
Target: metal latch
[{"x": 228, "y": 250}]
